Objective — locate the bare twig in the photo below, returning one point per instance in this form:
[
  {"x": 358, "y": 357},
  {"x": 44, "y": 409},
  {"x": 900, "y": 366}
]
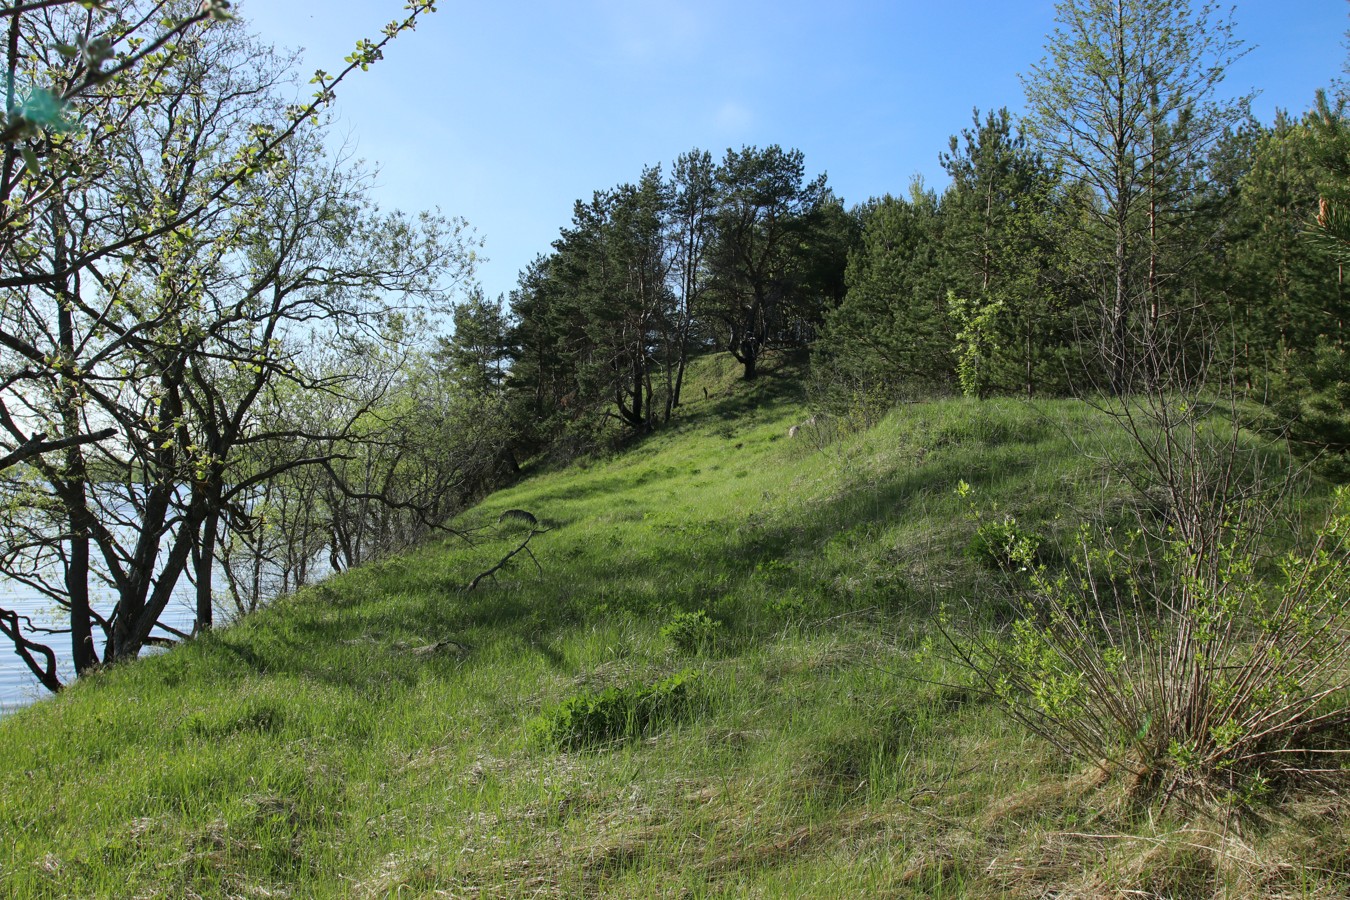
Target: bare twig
[{"x": 523, "y": 547}]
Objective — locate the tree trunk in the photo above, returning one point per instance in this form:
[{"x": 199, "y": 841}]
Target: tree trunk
[
  {"x": 29, "y": 651},
  {"x": 683, "y": 360},
  {"x": 1119, "y": 323},
  {"x": 82, "y": 649},
  {"x": 751, "y": 360},
  {"x": 639, "y": 410},
  {"x": 1031, "y": 362},
  {"x": 204, "y": 564},
  {"x": 75, "y": 492}
]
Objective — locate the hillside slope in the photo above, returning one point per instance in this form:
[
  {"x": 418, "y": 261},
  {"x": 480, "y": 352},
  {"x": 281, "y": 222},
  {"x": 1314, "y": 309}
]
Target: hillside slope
[{"x": 573, "y": 727}]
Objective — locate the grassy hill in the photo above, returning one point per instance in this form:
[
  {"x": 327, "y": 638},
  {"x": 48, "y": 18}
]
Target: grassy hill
[{"x": 712, "y": 678}]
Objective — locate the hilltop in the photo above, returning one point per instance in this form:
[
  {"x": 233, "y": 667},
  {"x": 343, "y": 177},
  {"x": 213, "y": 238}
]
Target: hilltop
[{"x": 713, "y": 672}]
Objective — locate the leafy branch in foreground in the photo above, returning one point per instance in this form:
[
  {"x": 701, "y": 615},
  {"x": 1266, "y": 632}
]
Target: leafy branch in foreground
[
  {"x": 44, "y": 109},
  {"x": 65, "y": 148}
]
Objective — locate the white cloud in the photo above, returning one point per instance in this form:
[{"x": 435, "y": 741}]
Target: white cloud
[
  {"x": 734, "y": 117},
  {"x": 654, "y": 31}
]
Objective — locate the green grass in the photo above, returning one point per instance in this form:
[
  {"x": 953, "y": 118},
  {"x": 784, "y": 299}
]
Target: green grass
[{"x": 380, "y": 735}]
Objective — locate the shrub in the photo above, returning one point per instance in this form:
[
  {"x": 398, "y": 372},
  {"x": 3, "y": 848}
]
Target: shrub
[
  {"x": 1196, "y": 676},
  {"x": 1002, "y": 544},
  {"x": 1192, "y": 653},
  {"x": 976, "y": 323},
  {"x": 691, "y": 632},
  {"x": 617, "y": 714}
]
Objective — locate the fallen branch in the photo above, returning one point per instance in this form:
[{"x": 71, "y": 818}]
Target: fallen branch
[
  {"x": 181, "y": 635},
  {"x": 431, "y": 649},
  {"x": 524, "y": 547}
]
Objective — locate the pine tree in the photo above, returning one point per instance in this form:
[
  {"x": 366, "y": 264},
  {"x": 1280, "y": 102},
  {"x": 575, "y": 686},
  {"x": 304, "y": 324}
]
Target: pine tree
[
  {"x": 767, "y": 211},
  {"x": 997, "y": 243},
  {"x": 477, "y": 353},
  {"x": 892, "y": 331}
]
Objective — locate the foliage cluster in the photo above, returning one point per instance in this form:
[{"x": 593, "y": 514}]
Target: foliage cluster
[
  {"x": 692, "y": 632},
  {"x": 1002, "y": 544},
  {"x": 587, "y": 719},
  {"x": 1238, "y": 687}
]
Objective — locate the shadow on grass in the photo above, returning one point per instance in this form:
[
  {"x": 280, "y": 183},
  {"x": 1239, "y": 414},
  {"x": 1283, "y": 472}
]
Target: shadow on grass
[
  {"x": 781, "y": 380},
  {"x": 336, "y": 636},
  {"x": 703, "y": 565},
  {"x": 757, "y": 572}
]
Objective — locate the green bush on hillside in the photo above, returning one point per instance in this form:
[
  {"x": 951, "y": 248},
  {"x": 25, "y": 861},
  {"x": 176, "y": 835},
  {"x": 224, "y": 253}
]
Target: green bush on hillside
[
  {"x": 589, "y": 719},
  {"x": 691, "y": 632},
  {"x": 1192, "y": 674},
  {"x": 1002, "y": 544}
]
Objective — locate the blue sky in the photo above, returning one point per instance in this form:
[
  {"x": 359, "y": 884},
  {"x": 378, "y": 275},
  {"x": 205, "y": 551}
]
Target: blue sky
[{"x": 505, "y": 113}]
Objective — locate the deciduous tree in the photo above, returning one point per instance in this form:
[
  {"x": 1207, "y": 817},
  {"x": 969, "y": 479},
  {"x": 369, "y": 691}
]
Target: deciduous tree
[
  {"x": 183, "y": 239},
  {"x": 1125, "y": 101}
]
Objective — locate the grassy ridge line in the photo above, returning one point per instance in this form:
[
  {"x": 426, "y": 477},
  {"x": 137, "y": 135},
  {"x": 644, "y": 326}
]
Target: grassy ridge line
[{"x": 372, "y": 737}]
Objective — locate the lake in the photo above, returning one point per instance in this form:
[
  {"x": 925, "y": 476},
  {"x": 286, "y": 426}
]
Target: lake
[{"x": 18, "y": 687}]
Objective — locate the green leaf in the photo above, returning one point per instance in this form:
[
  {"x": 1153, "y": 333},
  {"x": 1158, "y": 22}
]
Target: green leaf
[{"x": 218, "y": 10}]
